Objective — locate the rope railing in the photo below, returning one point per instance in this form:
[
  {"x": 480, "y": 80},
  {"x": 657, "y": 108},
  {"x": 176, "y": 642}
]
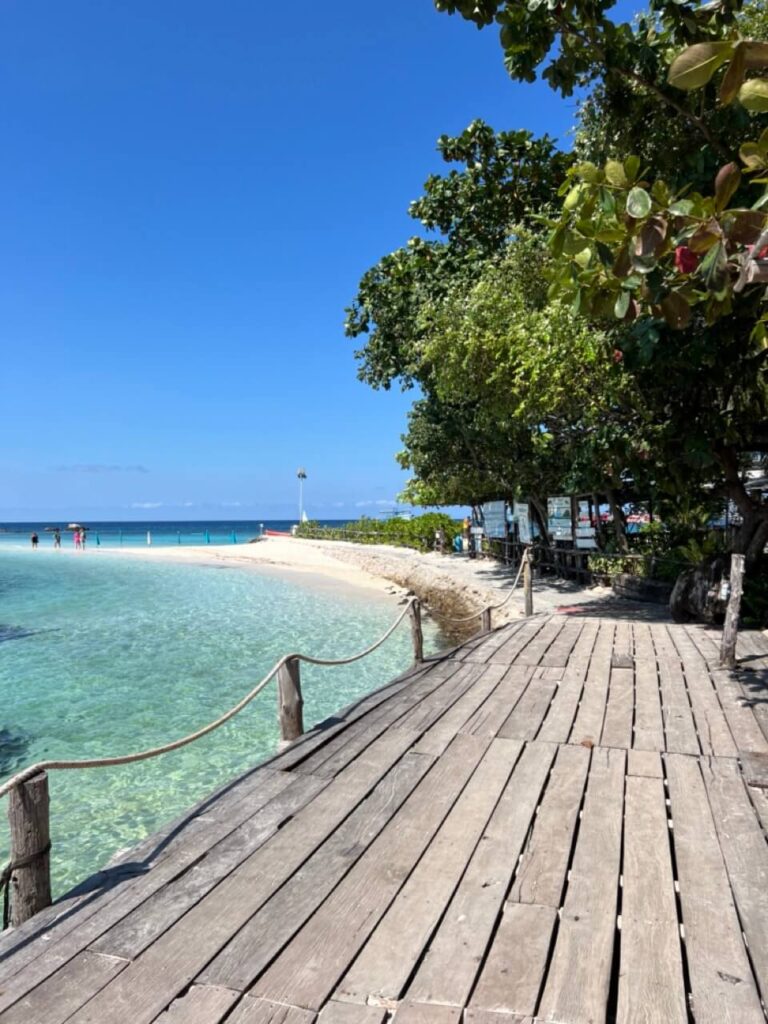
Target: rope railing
[
  {"x": 490, "y": 607},
  {"x": 166, "y": 748},
  {"x": 29, "y": 867}
]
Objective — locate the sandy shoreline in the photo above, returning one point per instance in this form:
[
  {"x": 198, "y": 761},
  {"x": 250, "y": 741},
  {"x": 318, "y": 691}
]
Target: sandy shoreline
[{"x": 451, "y": 586}]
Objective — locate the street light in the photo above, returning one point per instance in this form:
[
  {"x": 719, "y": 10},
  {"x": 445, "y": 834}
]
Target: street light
[{"x": 302, "y": 476}]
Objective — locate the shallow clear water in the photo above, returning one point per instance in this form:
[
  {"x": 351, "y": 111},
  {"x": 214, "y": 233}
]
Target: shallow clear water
[{"x": 104, "y": 656}]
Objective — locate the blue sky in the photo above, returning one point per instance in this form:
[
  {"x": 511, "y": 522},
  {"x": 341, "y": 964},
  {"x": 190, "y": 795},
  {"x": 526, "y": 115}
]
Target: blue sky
[{"x": 189, "y": 194}]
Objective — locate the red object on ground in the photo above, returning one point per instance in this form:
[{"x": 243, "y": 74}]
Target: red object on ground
[{"x": 277, "y": 533}]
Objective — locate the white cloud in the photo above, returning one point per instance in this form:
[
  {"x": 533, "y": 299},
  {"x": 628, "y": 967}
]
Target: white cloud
[
  {"x": 98, "y": 467},
  {"x": 146, "y": 504},
  {"x": 381, "y": 502}
]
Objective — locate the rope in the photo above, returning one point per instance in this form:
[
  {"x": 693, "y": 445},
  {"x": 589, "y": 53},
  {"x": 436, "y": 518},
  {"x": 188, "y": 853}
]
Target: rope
[
  {"x": 5, "y": 877},
  {"x": 491, "y": 607},
  {"x": 105, "y": 762}
]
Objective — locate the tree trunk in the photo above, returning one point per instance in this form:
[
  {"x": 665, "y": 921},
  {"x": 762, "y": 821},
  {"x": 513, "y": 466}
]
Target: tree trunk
[
  {"x": 618, "y": 521},
  {"x": 539, "y": 514}
]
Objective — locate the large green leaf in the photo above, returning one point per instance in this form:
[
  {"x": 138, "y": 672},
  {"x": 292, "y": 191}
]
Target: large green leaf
[
  {"x": 734, "y": 76},
  {"x": 754, "y": 95},
  {"x": 695, "y": 66},
  {"x": 638, "y": 203}
]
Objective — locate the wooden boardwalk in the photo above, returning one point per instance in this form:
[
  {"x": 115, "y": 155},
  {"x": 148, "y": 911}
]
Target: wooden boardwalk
[{"x": 562, "y": 820}]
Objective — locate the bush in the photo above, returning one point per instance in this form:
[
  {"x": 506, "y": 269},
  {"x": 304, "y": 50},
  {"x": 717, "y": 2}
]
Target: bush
[{"x": 418, "y": 533}]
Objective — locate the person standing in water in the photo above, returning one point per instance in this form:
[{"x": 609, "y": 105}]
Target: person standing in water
[
  {"x": 34, "y": 538},
  {"x": 76, "y": 537},
  {"x": 57, "y": 538}
]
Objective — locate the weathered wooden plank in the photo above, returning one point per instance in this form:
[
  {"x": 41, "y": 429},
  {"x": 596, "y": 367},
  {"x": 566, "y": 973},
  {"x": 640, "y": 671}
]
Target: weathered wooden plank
[
  {"x": 493, "y": 712},
  {"x": 420, "y": 1013},
  {"x": 541, "y": 873},
  {"x": 651, "y": 967},
  {"x": 262, "y": 1011},
  {"x": 589, "y": 718},
  {"x": 472, "y": 1016},
  {"x": 136, "y": 932},
  {"x": 178, "y": 842},
  {"x": 557, "y": 726},
  {"x": 645, "y": 764},
  {"x": 202, "y": 1004},
  {"x": 334, "y": 755},
  {"x": 162, "y": 971},
  {"x": 513, "y": 973},
  {"x": 754, "y": 769},
  {"x": 649, "y": 724},
  {"x": 679, "y": 726},
  {"x": 746, "y": 856},
  {"x": 528, "y": 713},
  {"x": 722, "y": 985},
  {"x": 54, "y": 951},
  {"x": 436, "y": 739},
  {"x": 260, "y": 940},
  {"x": 578, "y": 982},
  {"x": 307, "y": 971},
  {"x": 138, "y": 929},
  {"x": 386, "y": 961},
  {"x": 582, "y": 652},
  {"x": 60, "y": 995},
  {"x": 711, "y": 724},
  {"x": 560, "y": 651},
  {"x": 534, "y": 651},
  {"x": 480, "y": 649},
  {"x": 448, "y": 970},
  {"x": 735, "y": 699},
  {"x": 759, "y": 798},
  {"x": 341, "y": 720},
  {"x": 619, "y": 711},
  {"x": 433, "y": 707},
  {"x": 351, "y": 1013},
  {"x": 517, "y": 643}
]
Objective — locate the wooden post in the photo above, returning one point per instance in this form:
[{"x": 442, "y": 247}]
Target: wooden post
[
  {"x": 30, "y": 886},
  {"x": 730, "y": 629},
  {"x": 416, "y": 634},
  {"x": 528, "y": 582},
  {"x": 289, "y": 700},
  {"x": 486, "y": 621}
]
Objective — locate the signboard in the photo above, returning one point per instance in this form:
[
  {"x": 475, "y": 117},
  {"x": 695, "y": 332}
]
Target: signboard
[
  {"x": 494, "y": 518},
  {"x": 559, "y": 518},
  {"x": 585, "y": 531},
  {"x": 522, "y": 518}
]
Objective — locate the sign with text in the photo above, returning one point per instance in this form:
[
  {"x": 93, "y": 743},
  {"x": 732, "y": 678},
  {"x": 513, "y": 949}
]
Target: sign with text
[
  {"x": 559, "y": 518},
  {"x": 523, "y": 520},
  {"x": 495, "y": 518}
]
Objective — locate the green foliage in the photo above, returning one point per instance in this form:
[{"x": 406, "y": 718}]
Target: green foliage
[
  {"x": 418, "y": 532},
  {"x": 507, "y": 178},
  {"x": 662, "y": 235}
]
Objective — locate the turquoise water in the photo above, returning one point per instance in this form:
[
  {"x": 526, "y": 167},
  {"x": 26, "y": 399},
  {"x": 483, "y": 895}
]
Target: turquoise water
[{"x": 104, "y": 656}]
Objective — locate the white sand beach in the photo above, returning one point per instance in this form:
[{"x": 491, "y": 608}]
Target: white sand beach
[{"x": 449, "y": 584}]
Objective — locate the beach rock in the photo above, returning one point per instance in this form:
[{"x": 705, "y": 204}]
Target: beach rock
[{"x": 695, "y": 595}]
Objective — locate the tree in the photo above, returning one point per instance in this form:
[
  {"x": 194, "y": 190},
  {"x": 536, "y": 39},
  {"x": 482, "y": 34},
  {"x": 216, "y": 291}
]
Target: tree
[
  {"x": 661, "y": 232},
  {"x": 507, "y": 178}
]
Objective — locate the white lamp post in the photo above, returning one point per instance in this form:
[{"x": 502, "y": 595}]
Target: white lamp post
[{"x": 302, "y": 475}]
